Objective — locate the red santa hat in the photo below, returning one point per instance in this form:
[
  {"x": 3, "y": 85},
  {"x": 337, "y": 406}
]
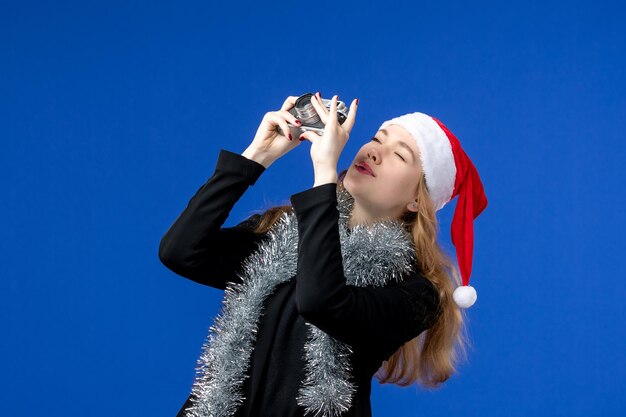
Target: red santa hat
[{"x": 449, "y": 172}]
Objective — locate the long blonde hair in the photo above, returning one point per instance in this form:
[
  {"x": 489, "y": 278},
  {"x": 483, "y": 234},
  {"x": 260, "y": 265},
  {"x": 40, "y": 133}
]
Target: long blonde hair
[{"x": 432, "y": 357}]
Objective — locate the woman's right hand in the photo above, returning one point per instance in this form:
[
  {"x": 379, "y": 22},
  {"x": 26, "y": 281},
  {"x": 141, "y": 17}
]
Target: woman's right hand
[{"x": 268, "y": 144}]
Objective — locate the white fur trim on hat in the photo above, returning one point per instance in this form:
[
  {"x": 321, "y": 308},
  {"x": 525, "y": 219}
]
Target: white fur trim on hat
[{"x": 435, "y": 154}]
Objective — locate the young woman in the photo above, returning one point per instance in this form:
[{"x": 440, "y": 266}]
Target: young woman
[{"x": 346, "y": 283}]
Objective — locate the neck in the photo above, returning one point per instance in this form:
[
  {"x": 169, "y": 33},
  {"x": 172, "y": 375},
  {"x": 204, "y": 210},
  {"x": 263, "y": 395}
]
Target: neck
[
  {"x": 353, "y": 213},
  {"x": 361, "y": 215}
]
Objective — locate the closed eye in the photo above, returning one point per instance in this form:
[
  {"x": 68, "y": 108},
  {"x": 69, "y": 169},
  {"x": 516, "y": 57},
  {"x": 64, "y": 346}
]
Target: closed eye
[{"x": 375, "y": 139}]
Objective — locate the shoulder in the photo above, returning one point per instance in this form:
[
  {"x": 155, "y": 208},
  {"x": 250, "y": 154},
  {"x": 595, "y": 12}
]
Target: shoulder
[
  {"x": 244, "y": 231},
  {"x": 251, "y": 222},
  {"x": 424, "y": 297}
]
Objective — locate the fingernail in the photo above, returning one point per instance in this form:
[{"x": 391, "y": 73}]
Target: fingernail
[
  {"x": 301, "y": 139},
  {"x": 290, "y": 138},
  {"x": 357, "y": 101},
  {"x": 298, "y": 122}
]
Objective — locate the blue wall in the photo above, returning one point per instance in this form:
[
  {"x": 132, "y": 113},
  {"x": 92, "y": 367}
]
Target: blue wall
[{"x": 112, "y": 116}]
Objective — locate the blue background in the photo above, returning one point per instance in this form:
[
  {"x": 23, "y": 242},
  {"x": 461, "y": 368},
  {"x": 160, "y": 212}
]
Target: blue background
[{"x": 112, "y": 116}]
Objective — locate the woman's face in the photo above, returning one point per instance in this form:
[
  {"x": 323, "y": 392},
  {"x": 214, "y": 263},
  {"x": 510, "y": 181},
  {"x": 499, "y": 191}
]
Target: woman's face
[{"x": 394, "y": 158}]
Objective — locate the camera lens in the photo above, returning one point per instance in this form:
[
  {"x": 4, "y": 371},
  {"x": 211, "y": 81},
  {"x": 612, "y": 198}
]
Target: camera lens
[{"x": 306, "y": 111}]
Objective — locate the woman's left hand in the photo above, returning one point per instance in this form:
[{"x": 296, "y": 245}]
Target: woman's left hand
[{"x": 325, "y": 149}]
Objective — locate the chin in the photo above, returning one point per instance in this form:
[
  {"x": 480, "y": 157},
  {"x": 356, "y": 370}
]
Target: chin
[
  {"x": 353, "y": 188},
  {"x": 353, "y": 180}
]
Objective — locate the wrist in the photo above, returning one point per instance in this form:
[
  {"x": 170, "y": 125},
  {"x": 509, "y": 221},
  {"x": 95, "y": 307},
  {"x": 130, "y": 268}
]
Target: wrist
[
  {"x": 258, "y": 156},
  {"x": 325, "y": 175}
]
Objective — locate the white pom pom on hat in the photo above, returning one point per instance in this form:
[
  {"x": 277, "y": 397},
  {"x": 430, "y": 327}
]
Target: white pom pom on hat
[
  {"x": 464, "y": 296},
  {"x": 449, "y": 172}
]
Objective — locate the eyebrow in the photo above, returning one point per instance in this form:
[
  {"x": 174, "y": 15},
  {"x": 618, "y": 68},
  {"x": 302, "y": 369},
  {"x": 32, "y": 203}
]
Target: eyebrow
[{"x": 403, "y": 144}]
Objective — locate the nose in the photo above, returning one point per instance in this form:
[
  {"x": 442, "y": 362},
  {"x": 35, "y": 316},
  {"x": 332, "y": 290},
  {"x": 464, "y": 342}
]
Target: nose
[{"x": 372, "y": 153}]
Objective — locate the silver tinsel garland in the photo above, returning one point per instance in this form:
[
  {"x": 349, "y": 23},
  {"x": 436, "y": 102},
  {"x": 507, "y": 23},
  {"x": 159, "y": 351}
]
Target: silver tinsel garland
[{"x": 372, "y": 256}]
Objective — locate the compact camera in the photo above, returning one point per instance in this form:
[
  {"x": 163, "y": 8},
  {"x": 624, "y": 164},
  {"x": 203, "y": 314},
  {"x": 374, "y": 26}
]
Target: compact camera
[{"x": 304, "y": 111}]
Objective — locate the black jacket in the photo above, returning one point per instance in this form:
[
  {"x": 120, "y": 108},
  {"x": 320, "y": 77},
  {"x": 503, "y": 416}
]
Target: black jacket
[{"x": 374, "y": 321}]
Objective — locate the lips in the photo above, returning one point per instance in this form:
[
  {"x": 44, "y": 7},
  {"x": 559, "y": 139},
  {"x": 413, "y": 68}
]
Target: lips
[{"x": 364, "y": 168}]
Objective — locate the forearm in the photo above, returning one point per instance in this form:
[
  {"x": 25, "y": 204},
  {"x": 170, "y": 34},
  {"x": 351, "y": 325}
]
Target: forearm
[
  {"x": 258, "y": 156},
  {"x": 320, "y": 280},
  {"x": 189, "y": 237}
]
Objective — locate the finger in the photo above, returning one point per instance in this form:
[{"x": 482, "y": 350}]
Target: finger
[
  {"x": 289, "y": 103},
  {"x": 333, "y": 108},
  {"x": 319, "y": 100},
  {"x": 290, "y": 118},
  {"x": 308, "y": 135},
  {"x": 349, "y": 122},
  {"x": 282, "y": 123},
  {"x": 320, "y": 108}
]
